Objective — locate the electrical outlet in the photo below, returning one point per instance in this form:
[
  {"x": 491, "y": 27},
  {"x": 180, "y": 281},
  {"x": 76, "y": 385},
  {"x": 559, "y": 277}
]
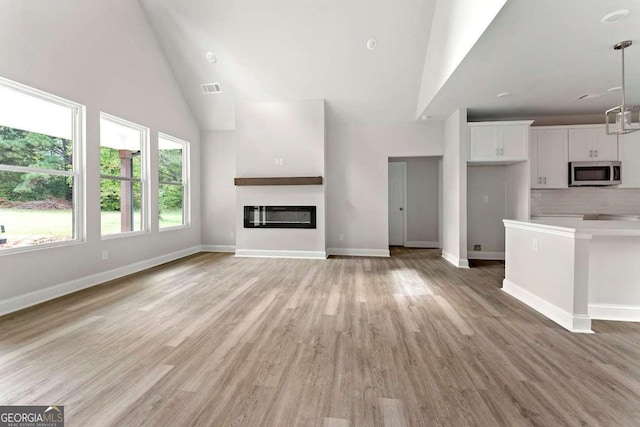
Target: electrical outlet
[
  {"x": 535, "y": 245},
  {"x": 232, "y": 234},
  {"x": 340, "y": 236},
  {"x": 485, "y": 199},
  {"x": 477, "y": 247},
  {"x": 276, "y": 162},
  {"x": 105, "y": 255},
  {"x": 281, "y": 162}
]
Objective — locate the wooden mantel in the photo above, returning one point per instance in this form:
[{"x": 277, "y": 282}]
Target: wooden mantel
[{"x": 285, "y": 180}]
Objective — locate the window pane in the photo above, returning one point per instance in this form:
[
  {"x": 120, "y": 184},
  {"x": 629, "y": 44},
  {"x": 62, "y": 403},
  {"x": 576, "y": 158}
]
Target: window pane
[
  {"x": 121, "y": 206},
  {"x": 170, "y": 161},
  {"x": 124, "y": 163},
  {"x": 35, "y": 209},
  {"x": 120, "y": 149},
  {"x": 171, "y": 205},
  {"x": 29, "y": 149},
  {"x": 121, "y": 155},
  {"x": 21, "y": 110}
]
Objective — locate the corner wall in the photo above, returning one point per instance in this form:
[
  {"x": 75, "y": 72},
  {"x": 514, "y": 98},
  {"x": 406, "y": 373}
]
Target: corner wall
[
  {"x": 454, "y": 183},
  {"x": 218, "y": 192}
]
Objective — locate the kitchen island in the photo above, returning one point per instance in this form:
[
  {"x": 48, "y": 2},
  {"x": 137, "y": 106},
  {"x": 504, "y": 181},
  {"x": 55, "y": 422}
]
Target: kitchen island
[{"x": 573, "y": 271}]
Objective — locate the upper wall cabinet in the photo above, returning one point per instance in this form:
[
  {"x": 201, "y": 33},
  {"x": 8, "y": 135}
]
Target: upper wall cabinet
[
  {"x": 592, "y": 144},
  {"x": 630, "y": 158},
  {"x": 499, "y": 142},
  {"x": 549, "y": 158}
]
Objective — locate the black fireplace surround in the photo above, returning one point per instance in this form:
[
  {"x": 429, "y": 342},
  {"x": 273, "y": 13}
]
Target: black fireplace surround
[{"x": 279, "y": 217}]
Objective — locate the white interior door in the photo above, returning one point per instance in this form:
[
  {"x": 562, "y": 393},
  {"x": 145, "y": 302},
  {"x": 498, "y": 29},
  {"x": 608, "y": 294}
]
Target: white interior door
[{"x": 397, "y": 205}]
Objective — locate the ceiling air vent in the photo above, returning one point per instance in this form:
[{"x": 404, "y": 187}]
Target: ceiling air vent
[
  {"x": 211, "y": 88},
  {"x": 588, "y": 96}
]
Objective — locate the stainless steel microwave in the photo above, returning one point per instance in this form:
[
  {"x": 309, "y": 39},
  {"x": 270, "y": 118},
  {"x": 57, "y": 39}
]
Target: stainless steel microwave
[{"x": 583, "y": 174}]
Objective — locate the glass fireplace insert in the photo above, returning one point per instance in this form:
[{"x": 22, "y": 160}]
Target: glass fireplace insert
[{"x": 279, "y": 217}]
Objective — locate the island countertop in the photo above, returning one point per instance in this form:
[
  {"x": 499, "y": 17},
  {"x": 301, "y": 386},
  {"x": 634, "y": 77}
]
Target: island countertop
[{"x": 579, "y": 228}]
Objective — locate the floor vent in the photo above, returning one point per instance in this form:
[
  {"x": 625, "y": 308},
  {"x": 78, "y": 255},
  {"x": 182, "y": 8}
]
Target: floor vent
[{"x": 211, "y": 88}]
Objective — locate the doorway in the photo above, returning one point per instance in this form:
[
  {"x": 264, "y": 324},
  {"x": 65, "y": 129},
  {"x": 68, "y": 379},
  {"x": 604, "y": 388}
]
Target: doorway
[
  {"x": 414, "y": 201},
  {"x": 397, "y": 202}
]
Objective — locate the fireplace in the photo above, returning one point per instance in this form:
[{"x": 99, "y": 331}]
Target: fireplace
[{"x": 279, "y": 217}]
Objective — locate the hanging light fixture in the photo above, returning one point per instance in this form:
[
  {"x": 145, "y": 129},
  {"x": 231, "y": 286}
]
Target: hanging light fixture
[{"x": 623, "y": 118}]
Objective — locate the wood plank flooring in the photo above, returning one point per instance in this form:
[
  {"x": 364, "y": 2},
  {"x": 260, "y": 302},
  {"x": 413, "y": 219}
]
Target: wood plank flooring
[{"x": 401, "y": 341}]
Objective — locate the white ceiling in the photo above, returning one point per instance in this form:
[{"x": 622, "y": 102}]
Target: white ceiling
[
  {"x": 545, "y": 53},
  {"x": 297, "y": 49}
]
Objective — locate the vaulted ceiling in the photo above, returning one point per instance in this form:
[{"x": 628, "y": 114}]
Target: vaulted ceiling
[
  {"x": 545, "y": 53},
  {"x": 297, "y": 49}
]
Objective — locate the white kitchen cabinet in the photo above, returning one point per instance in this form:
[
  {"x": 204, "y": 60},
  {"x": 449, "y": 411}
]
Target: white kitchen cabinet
[
  {"x": 483, "y": 142},
  {"x": 549, "y": 158},
  {"x": 499, "y": 142},
  {"x": 630, "y": 157},
  {"x": 592, "y": 144}
]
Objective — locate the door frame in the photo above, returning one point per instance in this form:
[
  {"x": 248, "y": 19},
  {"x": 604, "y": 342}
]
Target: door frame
[{"x": 404, "y": 208}]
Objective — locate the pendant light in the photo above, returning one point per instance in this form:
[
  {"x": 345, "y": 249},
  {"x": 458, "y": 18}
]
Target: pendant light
[{"x": 623, "y": 118}]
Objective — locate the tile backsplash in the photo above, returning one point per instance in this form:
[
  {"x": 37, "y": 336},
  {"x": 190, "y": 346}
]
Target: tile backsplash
[{"x": 585, "y": 201}]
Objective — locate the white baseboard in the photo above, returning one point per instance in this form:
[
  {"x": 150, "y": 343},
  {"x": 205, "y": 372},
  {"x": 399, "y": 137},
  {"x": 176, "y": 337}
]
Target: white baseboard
[
  {"x": 359, "y": 252},
  {"x": 460, "y": 263},
  {"x": 622, "y": 313},
  {"x": 421, "y": 244},
  {"x": 499, "y": 256},
  {"x": 218, "y": 248},
  {"x": 573, "y": 323},
  {"x": 258, "y": 253},
  {"x": 20, "y": 302}
]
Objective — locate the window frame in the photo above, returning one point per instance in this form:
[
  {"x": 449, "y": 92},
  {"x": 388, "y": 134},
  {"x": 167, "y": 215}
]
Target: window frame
[
  {"x": 78, "y": 172},
  {"x": 186, "y": 182},
  {"x": 144, "y": 176}
]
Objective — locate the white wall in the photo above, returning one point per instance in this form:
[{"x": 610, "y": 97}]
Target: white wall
[
  {"x": 102, "y": 55},
  {"x": 456, "y": 26},
  {"x": 357, "y": 178},
  {"x": 295, "y": 132},
  {"x": 518, "y": 178},
  {"x": 484, "y": 220},
  {"x": 422, "y": 206},
  {"x": 454, "y": 193},
  {"x": 356, "y": 181},
  {"x": 218, "y": 192}
]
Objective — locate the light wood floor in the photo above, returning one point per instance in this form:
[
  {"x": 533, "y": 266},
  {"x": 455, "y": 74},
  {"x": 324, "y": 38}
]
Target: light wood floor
[{"x": 408, "y": 340}]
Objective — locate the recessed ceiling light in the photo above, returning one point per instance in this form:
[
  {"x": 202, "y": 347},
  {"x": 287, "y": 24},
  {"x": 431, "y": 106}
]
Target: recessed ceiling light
[
  {"x": 211, "y": 57},
  {"x": 503, "y": 94},
  {"x": 426, "y": 117},
  {"x": 612, "y": 17},
  {"x": 614, "y": 89},
  {"x": 372, "y": 44}
]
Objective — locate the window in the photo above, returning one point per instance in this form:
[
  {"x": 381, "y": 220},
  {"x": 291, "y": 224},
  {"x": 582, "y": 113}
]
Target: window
[
  {"x": 173, "y": 179},
  {"x": 123, "y": 176},
  {"x": 40, "y": 166}
]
